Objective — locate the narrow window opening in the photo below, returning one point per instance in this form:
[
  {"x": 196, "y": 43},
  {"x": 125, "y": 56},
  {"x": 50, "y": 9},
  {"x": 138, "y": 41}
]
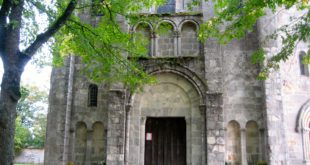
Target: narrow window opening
[
  {"x": 304, "y": 69},
  {"x": 92, "y": 95},
  {"x": 169, "y": 7}
]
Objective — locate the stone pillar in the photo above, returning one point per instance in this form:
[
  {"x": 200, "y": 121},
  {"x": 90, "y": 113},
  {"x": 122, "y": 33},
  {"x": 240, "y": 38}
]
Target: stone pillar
[
  {"x": 306, "y": 142},
  {"x": 68, "y": 110},
  {"x": 116, "y": 127},
  {"x": 273, "y": 99},
  {"x": 203, "y": 111},
  {"x": 215, "y": 129},
  {"x": 127, "y": 108},
  {"x": 243, "y": 147},
  {"x": 177, "y": 43},
  {"x": 155, "y": 44},
  {"x": 89, "y": 138},
  {"x": 153, "y": 41}
]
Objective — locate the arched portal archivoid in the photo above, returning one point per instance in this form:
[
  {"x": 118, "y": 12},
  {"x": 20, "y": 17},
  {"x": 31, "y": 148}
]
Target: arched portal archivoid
[
  {"x": 303, "y": 126},
  {"x": 172, "y": 98}
]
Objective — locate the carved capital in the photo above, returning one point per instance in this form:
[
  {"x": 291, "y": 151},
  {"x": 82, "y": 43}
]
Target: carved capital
[
  {"x": 202, "y": 109},
  {"x": 153, "y": 35},
  {"x": 128, "y": 108},
  {"x": 176, "y": 34}
]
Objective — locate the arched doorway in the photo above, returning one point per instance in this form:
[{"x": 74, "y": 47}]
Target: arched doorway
[{"x": 172, "y": 99}]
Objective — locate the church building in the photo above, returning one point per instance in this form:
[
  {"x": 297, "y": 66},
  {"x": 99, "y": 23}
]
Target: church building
[{"x": 207, "y": 106}]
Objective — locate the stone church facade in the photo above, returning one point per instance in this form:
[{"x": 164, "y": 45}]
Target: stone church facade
[{"x": 207, "y": 106}]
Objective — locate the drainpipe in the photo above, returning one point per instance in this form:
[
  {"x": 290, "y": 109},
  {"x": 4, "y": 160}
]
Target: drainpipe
[{"x": 68, "y": 111}]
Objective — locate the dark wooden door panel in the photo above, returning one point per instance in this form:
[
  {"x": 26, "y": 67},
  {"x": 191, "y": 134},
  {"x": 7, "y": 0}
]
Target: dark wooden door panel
[{"x": 168, "y": 143}]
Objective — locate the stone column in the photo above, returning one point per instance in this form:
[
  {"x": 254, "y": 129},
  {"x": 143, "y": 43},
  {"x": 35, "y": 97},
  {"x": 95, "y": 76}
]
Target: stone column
[
  {"x": 177, "y": 43},
  {"x": 116, "y": 127},
  {"x": 89, "y": 138},
  {"x": 153, "y": 43},
  {"x": 306, "y": 142},
  {"x": 127, "y": 108},
  {"x": 203, "y": 111},
  {"x": 68, "y": 110},
  {"x": 243, "y": 147}
]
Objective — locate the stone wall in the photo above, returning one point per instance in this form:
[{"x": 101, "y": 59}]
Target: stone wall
[
  {"x": 233, "y": 143},
  {"x": 231, "y": 117},
  {"x": 285, "y": 91},
  {"x": 165, "y": 40},
  {"x": 56, "y": 116},
  {"x": 190, "y": 45},
  {"x": 80, "y": 143},
  {"x": 295, "y": 94}
]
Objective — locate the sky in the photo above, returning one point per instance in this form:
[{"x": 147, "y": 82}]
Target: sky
[{"x": 33, "y": 75}]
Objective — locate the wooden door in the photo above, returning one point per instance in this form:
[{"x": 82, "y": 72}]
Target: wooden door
[{"x": 165, "y": 141}]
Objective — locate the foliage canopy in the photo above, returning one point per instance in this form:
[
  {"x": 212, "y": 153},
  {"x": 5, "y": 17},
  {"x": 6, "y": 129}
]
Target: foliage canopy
[
  {"x": 31, "y": 118},
  {"x": 102, "y": 47},
  {"x": 235, "y": 18}
]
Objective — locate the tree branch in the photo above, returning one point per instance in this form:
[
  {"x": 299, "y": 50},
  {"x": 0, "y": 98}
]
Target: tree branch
[
  {"x": 83, "y": 26},
  {"x": 44, "y": 10},
  {"x": 12, "y": 33},
  {"x": 4, "y": 11},
  {"x": 43, "y": 37}
]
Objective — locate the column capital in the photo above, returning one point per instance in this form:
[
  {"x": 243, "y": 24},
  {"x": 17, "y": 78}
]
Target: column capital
[
  {"x": 128, "y": 108},
  {"x": 153, "y": 35},
  {"x": 176, "y": 33}
]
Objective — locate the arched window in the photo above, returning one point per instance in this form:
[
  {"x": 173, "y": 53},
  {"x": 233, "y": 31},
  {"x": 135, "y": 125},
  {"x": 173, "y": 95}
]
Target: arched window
[
  {"x": 306, "y": 134},
  {"x": 304, "y": 69},
  {"x": 80, "y": 143},
  {"x": 189, "y": 42},
  {"x": 98, "y": 143},
  {"x": 169, "y": 7},
  {"x": 92, "y": 95},
  {"x": 233, "y": 143},
  {"x": 165, "y": 40},
  {"x": 144, "y": 32},
  {"x": 252, "y": 142}
]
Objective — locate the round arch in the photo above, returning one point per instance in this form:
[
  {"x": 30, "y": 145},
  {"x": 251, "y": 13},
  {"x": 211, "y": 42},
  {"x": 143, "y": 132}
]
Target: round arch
[
  {"x": 167, "y": 21},
  {"x": 303, "y": 112},
  {"x": 175, "y": 94},
  {"x": 200, "y": 87},
  {"x": 133, "y": 28},
  {"x": 194, "y": 22},
  {"x": 303, "y": 126}
]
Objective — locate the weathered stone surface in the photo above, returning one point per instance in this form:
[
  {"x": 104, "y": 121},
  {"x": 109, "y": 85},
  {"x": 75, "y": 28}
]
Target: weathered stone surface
[{"x": 210, "y": 85}]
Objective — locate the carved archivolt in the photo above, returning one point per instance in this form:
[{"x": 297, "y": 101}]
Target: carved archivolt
[
  {"x": 303, "y": 126},
  {"x": 179, "y": 40}
]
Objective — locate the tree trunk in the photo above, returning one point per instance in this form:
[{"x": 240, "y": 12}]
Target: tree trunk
[
  {"x": 14, "y": 62},
  {"x": 9, "y": 97}
]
